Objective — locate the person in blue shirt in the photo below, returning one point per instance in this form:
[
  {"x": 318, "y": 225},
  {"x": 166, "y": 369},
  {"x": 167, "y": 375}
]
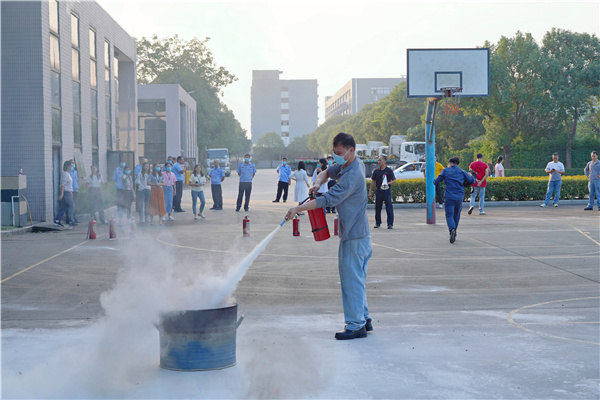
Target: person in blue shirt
[
  {"x": 179, "y": 171},
  {"x": 283, "y": 184},
  {"x": 454, "y": 194},
  {"x": 349, "y": 195},
  {"x": 246, "y": 172},
  {"x": 216, "y": 175}
]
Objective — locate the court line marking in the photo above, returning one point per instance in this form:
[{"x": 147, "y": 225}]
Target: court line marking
[
  {"x": 509, "y": 318},
  {"x": 586, "y": 235},
  {"x": 43, "y": 261}
]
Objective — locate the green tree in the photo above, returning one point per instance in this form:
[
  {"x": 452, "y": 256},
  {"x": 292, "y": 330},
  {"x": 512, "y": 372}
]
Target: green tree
[
  {"x": 571, "y": 74},
  {"x": 299, "y": 149},
  {"x": 269, "y": 147}
]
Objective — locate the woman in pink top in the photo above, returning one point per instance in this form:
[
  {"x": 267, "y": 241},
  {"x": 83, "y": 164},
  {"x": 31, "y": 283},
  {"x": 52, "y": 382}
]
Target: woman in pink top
[{"x": 169, "y": 190}]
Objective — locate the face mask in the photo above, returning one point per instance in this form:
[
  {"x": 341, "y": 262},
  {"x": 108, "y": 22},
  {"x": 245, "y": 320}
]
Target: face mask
[
  {"x": 329, "y": 162},
  {"x": 169, "y": 169},
  {"x": 340, "y": 159},
  {"x": 246, "y": 159},
  {"x": 157, "y": 169},
  {"x": 284, "y": 162},
  {"x": 72, "y": 168},
  {"x": 127, "y": 172},
  {"x": 122, "y": 165}
]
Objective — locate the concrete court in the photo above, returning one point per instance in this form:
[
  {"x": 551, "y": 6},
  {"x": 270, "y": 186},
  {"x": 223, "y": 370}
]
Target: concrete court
[{"x": 510, "y": 311}]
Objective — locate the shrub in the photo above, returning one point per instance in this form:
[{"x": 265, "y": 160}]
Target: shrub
[{"x": 540, "y": 172}]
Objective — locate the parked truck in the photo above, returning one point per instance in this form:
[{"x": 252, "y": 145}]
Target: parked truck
[
  {"x": 220, "y": 154},
  {"x": 398, "y": 153}
]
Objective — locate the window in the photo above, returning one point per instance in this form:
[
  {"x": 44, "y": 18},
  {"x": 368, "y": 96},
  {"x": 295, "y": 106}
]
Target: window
[
  {"x": 108, "y": 101},
  {"x": 152, "y": 129},
  {"x": 92, "y": 43},
  {"x": 54, "y": 53},
  {"x": 75, "y": 75},
  {"x": 55, "y": 87},
  {"x": 74, "y": 30},
  {"x": 94, "y": 90},
  {"x": 53, "y": 8},
  {"x": 55, "y": 73},
  {"x": 75, "y": 64},
  {"x": 56, "y": 128}
]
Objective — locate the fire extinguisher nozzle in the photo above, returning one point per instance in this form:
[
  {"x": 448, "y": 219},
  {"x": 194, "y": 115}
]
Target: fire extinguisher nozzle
[{"x": 284, "y": 221}]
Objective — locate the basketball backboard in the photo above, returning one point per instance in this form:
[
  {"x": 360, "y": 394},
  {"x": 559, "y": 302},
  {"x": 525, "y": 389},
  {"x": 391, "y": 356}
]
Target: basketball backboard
[{"x": 429, "y": 70}]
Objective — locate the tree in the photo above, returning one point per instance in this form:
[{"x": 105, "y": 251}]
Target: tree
[
  {"x": 191, "y": 65},
  {"x": 269, "y": 147},
  {"x": 299, "y": 149},
  {"x": 571, "y": 74}
]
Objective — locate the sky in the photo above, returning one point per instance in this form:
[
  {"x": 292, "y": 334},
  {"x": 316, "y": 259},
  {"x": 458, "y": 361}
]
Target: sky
[{"x": 335, "y": 41}]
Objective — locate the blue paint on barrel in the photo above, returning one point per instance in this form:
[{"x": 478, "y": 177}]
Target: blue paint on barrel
[{"x": 198, "y": 340}]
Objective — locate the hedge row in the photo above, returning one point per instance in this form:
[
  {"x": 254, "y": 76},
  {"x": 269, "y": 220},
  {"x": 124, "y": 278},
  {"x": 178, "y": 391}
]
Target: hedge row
[
  {"x": 498, "y": 189},
  {"x": 540, "y": 172}
]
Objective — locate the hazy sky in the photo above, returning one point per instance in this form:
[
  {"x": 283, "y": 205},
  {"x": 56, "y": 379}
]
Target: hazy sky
[{"x": 334, "y": 41}]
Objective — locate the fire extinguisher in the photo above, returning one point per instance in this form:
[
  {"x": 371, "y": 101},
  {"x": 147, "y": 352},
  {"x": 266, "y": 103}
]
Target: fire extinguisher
[
  {"x": 132, "y": 227},
  {"x": 296, "y": 226},
  {"x": 92, "y": 229},
  {"x": 335, "y": 226},
  {"x": 246, "y": 226},
  {"x": 112, "y": 229},
  {"x": 318, "y": 222}
]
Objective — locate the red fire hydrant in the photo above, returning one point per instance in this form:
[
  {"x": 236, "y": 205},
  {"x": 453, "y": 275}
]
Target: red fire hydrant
[{"x": 246, "y": 226}]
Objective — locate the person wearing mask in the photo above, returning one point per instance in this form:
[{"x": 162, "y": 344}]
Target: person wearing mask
[
  {"x": 143, "y": 192},
  {"x": 75, "y": 177},
  {"x": 283, "y": 183},
  {"x": 197, "y": 181},
  {"x": 482, "y": 171},
  {"x": 383, "y": 178},
  {"x": 127, "y": 194},
  {"x": 169, "y": 190},
  {"x": 592, "y": 171},
  {"x": 117, "y": 178},
  {"x": 499, "y": 168},
  {"x": 555, "y": 170},
  {"x": 217, "y": 176},
  {"x": 330, "y": 183},
  {"x": 94, "y": 185},
  {"x": 66, "y": 196},
  {"x": 455, "y": 192},
  {"x": 349, "y": 195},
  {"x": 324, "y": 187},
  {"x": 246, "y": 172},
  {"x": 179, "y": 171},
  {"x": 156, "y": 207}
]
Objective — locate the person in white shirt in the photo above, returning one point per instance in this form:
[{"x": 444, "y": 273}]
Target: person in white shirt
[
  {"x": 499, "y": 168},
  {"x": 555, "y": 169},
  {"x": 197, "y": 181}
]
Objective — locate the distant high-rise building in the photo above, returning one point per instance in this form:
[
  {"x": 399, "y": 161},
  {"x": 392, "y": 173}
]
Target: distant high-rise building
[
  {"x": 288, "y": 107},
  {"x": 357, "y": 93}
]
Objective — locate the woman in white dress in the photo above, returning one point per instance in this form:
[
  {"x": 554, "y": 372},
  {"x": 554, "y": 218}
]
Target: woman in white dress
[{"x": 302, "y": 183}]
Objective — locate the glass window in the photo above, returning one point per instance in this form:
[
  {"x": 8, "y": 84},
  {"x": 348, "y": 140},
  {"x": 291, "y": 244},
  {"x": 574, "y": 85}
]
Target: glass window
[
  {"x": 107, "y": 54},
  {"x": 116, "y": 63},
  {"x": 77, "y": 129},
  {"x": 107, "y": 81},
  {"x": 55, "y": 87},
  {"x": 107, "y": 105},
  {"x": 76, "y": 97},
  {"x": 54, "y": 53},
  {"x": 56, "y": 128},
  {"x": 94, "y": 96},
  {"x": 92, "y": 43},
  {"x": 74, "y": 30},
  {"x": 93, "y": 77},
  {"x": 53, "y": 8},
  {"x": 108, "y": 136},
  {"x": 75, "y": 64},
  {"x": 94, "y": 132}
]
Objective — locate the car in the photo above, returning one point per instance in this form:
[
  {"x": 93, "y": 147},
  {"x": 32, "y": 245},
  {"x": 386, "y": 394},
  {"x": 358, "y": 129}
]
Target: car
[{"x": 410, "y": 171}]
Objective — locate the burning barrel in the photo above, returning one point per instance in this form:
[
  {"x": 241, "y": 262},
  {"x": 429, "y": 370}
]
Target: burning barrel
[{"x": 198, "y": 340}]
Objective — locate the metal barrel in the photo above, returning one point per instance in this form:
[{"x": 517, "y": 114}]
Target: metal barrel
[{"x": 198, "y": 340}]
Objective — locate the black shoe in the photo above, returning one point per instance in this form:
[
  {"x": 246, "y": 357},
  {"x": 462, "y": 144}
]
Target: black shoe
[
  {"x": 589, "y": 208},
  {"x": 284, "y": 201},
  {"x": 348, "y": 334},
  {"x": 377, "y": 226},
  {"x": 452, "y": 235},
  {"x": 73, "y": 224},
  {"x": 245, "y": 209},
  {"x": 213, "y": 208},
  {"x": 369, "y": 325},
  {"x": 237, "y": 209},
  {"x": 390, "y": 227},
  {"x": 470, "y": 210},
  {"x": 275, "y": 201},
  {"x": 58, "y": 223},
  {"x": 180, "y": 210}
]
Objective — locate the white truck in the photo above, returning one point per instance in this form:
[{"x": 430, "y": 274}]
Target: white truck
[
  {"x": 220, "y": 154},
  {"x": 398, "y": 153}
]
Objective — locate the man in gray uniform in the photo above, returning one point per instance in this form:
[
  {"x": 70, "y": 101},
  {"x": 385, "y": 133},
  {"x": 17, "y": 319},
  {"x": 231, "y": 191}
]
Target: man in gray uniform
[{"x": 349, "y": 195}]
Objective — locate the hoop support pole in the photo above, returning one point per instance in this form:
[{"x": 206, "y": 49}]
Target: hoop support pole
[{"x": 430, "y": 158}]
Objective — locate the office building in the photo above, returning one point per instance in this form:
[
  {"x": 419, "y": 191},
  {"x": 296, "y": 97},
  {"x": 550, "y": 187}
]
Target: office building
[
  {"x": 167, "y": 123},
  {"x": 68, "y": 92},
  {"x": 288, "y": 107},
  {"x": 357, "y": 93}
]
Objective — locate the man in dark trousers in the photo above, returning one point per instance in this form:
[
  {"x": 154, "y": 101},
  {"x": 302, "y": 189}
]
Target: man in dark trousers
[
  {"x": 383, "y": 179},
  {"x": 217, "y": 176},
  {"x": 284, "y": 172},
  {"x": 246, "y": 172},
  {"x": 454, "y": 194},
  {"x": 349, "y": 195},
  {"x": 179, "y": 171}
]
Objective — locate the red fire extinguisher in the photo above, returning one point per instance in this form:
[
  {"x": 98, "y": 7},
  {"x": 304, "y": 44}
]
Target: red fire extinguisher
[
  {"x": 335, "y": 226},
  {"x": 246, "y": 226},
  {"x": 92, "y": 229},
  {"x": 112, "y": 229},
  {"x": 318, "y": 222},
  {"x": 296, "y": 226}
]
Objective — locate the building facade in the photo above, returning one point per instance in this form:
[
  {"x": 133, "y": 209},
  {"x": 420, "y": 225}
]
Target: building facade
[
  {"x": 357, "y": 93},
  {"x": 167, "y": 123},
  {"x": 68, "y": 92},
  {"x": 288, "y": 107}
]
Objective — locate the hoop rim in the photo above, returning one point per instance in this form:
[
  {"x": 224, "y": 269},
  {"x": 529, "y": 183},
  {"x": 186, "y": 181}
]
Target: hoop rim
[{"x": 451, "y": 90}]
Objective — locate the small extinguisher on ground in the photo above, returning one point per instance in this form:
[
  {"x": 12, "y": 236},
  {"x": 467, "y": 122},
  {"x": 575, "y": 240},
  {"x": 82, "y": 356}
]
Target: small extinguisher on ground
[
  {"x": 92, "y": 229},
  {"x": 246, "y": 226},
  {"x": 112, "y": 229},
  {"x": 335, "y": 226},
  {"x": 296, "y": 226}
]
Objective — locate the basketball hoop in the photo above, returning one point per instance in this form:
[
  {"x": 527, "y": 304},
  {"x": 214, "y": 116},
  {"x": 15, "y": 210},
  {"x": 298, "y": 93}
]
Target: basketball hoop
[{"x": 451, "y": 99}]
